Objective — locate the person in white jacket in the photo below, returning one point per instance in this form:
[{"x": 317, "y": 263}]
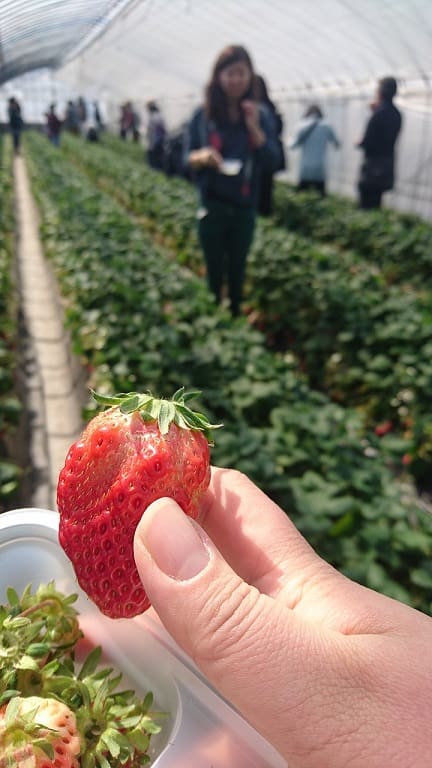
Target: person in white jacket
[{"x": 313, "y": 136}]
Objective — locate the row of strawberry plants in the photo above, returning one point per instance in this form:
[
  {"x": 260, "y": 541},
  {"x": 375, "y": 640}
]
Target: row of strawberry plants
[
  {"x": 138, "y": 319},
  {"x": 166, "y": 205},
  {"x": 10, "y": 408},
  {"x": 364, "y": 342},
  {"x": 399, "y": 243}
]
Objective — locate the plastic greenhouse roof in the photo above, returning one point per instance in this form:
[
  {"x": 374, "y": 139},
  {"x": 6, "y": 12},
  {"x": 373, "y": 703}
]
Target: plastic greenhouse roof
[
  {"x": 165, "y": 48},
  {"x": 43, "y": 33}
]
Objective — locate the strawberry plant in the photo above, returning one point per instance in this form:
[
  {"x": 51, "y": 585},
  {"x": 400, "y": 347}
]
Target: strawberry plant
[
  {"x": 10, "y": 407},
  {"x": 399, "y": 243},
  {"x": 364, "y": 343},
  {"x": 165, "y": 207}
]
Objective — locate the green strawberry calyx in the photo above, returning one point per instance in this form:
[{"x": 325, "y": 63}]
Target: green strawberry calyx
[{"x": 165, "y": 412}]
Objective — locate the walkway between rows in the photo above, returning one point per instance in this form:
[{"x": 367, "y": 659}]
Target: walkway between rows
[{"x": 53, "y": 377}]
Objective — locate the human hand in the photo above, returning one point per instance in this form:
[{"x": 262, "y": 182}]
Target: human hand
[
  {"x": 206, "y": 157},
  {"x": 331, "y": 673},
  {"x": 251, "y": 116}
]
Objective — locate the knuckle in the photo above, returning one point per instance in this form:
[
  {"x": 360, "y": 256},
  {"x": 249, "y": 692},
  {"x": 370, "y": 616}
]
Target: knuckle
[{"x": 228, "y": 620}]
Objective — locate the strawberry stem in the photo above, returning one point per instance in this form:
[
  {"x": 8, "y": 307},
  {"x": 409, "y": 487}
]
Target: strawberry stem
[{"x": 38, "y": 606}]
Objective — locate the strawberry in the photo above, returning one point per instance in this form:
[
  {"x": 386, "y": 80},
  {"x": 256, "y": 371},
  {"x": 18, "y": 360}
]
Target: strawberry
[
  {"x": 139, "y": 450},
  {"x": 383, "y": 428},
  {"x": 38, "y": 733}
]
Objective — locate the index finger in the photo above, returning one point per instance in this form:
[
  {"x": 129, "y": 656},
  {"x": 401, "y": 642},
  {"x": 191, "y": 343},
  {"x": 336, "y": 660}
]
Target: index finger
[{"x": 253, "y": 533}]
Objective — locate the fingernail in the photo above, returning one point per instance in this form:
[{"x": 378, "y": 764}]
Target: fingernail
[{"x": 172, "y": 540}]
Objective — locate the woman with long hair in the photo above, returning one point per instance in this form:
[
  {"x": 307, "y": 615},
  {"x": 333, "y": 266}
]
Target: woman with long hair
[{"x": 230, "y": 141}]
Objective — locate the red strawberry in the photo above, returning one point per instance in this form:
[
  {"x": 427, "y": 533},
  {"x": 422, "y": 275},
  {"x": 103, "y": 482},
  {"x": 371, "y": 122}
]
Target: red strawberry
[
  {"x": 38, "y": 733},
  {"x": 383, "y": 428},
  {"x": 138, "y": 451}
]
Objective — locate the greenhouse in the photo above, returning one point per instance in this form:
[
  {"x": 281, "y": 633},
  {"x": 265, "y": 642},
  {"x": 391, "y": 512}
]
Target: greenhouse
[{"x": 215, "y": 299}]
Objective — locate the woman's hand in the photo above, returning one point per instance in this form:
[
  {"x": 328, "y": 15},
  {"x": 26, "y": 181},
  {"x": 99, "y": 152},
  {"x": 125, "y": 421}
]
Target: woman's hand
[
  {"x": 331, "y": 673},
  {"x": 206, "y": 157},
  {"x": 251, "y": 115}
]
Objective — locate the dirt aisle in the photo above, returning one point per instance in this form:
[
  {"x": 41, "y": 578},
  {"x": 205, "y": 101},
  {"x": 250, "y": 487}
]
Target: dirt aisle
[{"x": 53, "y": 378}]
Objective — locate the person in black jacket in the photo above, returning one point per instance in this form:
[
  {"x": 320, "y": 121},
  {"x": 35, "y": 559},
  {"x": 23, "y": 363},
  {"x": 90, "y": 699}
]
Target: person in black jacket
[
  {"x": 15, "y": 122},
  {"x": 378, "y": 144},
  {"x": 230, "y": 141}
]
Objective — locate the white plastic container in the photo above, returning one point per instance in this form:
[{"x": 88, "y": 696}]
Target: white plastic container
[
  {"x": 201, "y": 729},
  {"x": 231, "y": 167}
]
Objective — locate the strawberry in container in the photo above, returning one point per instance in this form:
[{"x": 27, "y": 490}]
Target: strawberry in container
[{"x": 57, "y": 712}]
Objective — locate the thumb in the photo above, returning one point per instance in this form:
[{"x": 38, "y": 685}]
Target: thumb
[{"x": 258, "y": 653}]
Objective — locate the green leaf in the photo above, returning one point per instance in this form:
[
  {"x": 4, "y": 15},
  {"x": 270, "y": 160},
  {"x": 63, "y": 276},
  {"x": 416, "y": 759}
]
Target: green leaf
[
  {"x": 106, "y": 399},
  {"x": 150, "y": 725},
  {"x": 91, "y": 662},
  {"x": 12, "y": 597},
  {"x": 178, "y": 396},
  {"x": 130, "y": 404},
  {"x": 26, "y": 662},
  {"x": 139, "y": 739},
  {"x": 12, "y": 711},
  {"x": 8, "y": 694},
  {"x": 166, "y": 416},
  {"x": 110, "y": 738},
  {"x": 191, "y": 395},
  {"x": 15, "y": 623},
  {"x": 148, "y": 700},
  {"x": 103, "y": 762},
  {"x": 46, "y": 746},
  {"x": 422, "y": 578},
  {"x": 342, "y": 526}
]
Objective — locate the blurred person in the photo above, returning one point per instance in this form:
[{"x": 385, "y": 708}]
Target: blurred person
[
  {"x": 156, "y": 137},
  {"x": 378, "y": 145},
  {"x": 91, "y": 131},
  {"x": 72, "y": 121},
  {"x": 15, "y": 122},
  {"x": 128, "y": 121},
  {"x": 266, "y": 180},
  {"x": 123, "y": 122},
  {"x": 313, "y": 136},
  {"x": 230, "y": 141},
  {"x": 97, "y": 117},
  {"x": 54, "y": 125},
  {"x": 136, "y": 124},
  {"x": 82, "y": 112},
  {"x": 331, "y": 673},
  {"x": 174, "y": 164},
  {"x": 93, "y": 125}
]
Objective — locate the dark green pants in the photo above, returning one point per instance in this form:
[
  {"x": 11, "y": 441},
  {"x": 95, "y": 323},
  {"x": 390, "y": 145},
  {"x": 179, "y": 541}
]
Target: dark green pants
[{"x": 226, "y": 233}]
